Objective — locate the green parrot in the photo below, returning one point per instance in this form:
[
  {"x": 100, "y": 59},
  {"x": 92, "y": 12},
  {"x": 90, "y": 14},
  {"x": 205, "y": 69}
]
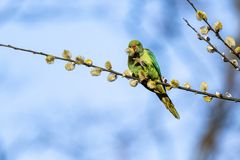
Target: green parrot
[{"x": 143, "y": 64}]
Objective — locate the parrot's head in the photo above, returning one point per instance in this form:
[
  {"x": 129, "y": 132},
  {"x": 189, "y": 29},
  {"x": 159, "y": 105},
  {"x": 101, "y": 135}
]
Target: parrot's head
[{"x": 134, "y": 48}]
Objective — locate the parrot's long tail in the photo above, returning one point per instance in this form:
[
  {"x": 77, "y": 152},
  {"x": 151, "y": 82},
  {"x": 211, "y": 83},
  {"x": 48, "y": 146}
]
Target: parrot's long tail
[{"x": 169, "y": 105}]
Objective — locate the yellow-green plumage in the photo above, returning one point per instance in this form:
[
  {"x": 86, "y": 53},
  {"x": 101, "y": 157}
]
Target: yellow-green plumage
[{"x": 148, "y": 64}]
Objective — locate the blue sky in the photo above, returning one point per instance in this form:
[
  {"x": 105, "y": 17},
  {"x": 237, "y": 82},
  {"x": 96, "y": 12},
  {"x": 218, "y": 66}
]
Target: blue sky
[{"x": 49, "y": 113}]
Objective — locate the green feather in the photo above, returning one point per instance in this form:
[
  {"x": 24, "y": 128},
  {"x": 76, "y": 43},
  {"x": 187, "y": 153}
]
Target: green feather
[
  {"x": 154, "y": 61},
  {"x": 144, "y": 61}
]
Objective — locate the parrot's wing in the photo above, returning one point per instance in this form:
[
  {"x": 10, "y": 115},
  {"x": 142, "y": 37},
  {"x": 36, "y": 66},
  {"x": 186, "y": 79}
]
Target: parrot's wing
[
  {"x": 154, "y": 61},
  {"x": 155, "y": 64}
]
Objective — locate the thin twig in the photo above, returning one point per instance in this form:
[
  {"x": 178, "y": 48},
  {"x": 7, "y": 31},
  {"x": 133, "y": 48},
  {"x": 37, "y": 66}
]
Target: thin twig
[
  {"x": 128, "y": 77},
  {"x": 224, "y": 57},
  {"x": 216, "y": 33}
]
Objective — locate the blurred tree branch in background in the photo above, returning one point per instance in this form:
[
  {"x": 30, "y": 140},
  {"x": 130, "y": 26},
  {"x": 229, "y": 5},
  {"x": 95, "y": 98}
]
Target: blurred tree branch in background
[
  {"x": 2, "y": 152},
  {"x": 218, "y": 116}
]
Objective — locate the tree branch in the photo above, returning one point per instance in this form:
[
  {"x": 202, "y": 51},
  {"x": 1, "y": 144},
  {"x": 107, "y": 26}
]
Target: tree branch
[
  {"x": 216, "y": 33},
  {"x": 224, "y": 57},
  {"x": 128, "y": 77}
]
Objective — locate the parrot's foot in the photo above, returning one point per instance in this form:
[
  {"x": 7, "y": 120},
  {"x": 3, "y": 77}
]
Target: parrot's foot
[{"x": 139, "y": 61}]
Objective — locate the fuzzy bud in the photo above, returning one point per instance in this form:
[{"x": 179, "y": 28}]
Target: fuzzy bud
[
  {"x": 174, "y": 83},
  {"x": 187, "y": 85},
  {"x": 50, "y": 59},
  {"x": 210, "y": 49},
  {"x": 96, "y": 71},
  {"x": 79, "y": 60},
  {"x": 219, "y": 95},
  {"x": 112, "y": 77},
  {"x": 234, "y": 61},
  {"x": 204, "y": 30},
  {"x": 127, "y": 73},
  {"x": 133, "y": 82},
  {"x": 66, "y": 54},
  {"x": 230, "y": 41},
  {"x": 207, "y": 98},
  {"x": 201, "y": 15},
  {"x": 108, "y": 65},
  {"x": 218, "y": 26},
  {"x": 88, "y": 62},
  {"x": 204, "y": 86},
  {"x": 237, "y": 50},
  {"x": 70, "y": 66}
]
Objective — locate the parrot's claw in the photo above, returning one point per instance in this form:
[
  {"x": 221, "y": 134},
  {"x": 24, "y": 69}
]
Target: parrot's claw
[{"x": 140, "y": 61}]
